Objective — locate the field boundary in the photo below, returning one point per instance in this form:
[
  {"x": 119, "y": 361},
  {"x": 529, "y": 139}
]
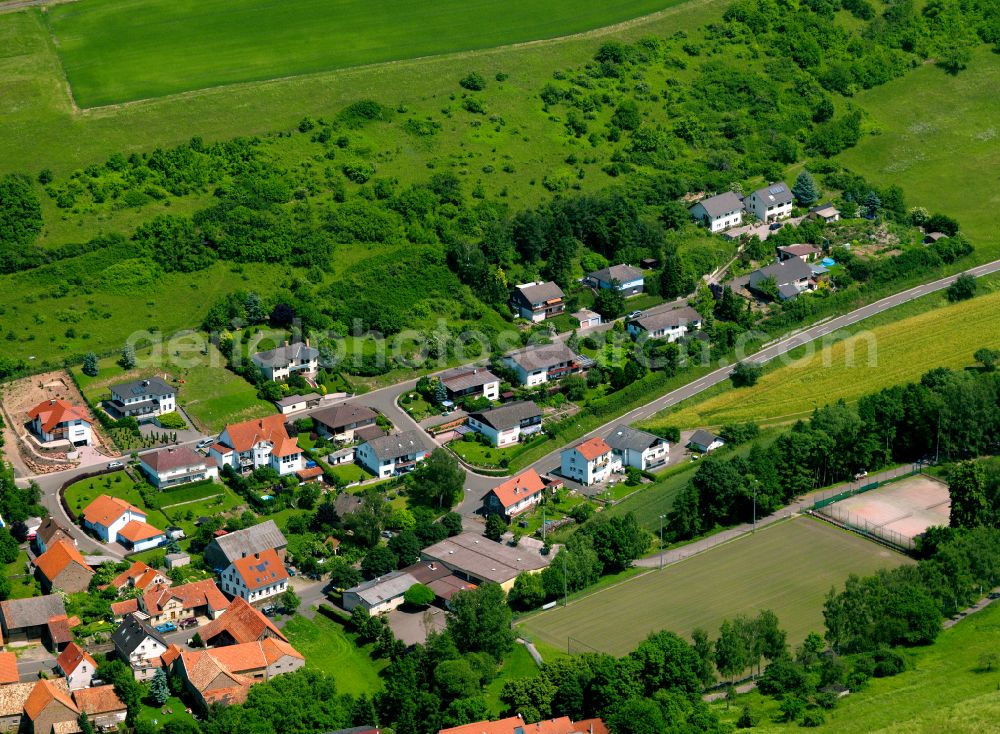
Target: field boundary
[{"x": 843, "y": 494}]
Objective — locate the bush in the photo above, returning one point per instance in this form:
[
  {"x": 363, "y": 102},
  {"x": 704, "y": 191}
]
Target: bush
[
  {"x": 171, "y": 421},
  {"x": 812, "y": 718},
  {"x": 418, "y": 595},
  {"x": 746, "y": 374},
  {"x": 473, "y": 81},
  {"x": 962, "y": 289}
]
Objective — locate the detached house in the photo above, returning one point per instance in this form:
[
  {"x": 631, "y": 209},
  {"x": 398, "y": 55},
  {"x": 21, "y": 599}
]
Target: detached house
[
  {"x": 588, "y": 462},
  {"x": 339, "y": 422},
  {"x": 138, "y": 576},
  {"x": 704, "y": 442},
  {"x": 58, "y": 420},
  {"x": 632, "y": 447},
  {"x": 719, "y": 212},
  {"x": 113, "y": 519},
  {"x": 77, "y": 666},
  {"x": 173, "y": 466},
  {"x": 48, "y": 533},
  {"x": 670, "y": 324},
  {"x": 541, "y": 363},
  {"x": 825, "y": 213},
  {"x": 164, "y": 603},
  {"x": 515, "y": 496},
  {"x": 477, "y": 382},
  {"x": 625, "y": 279},
  {"x": 225, "y": 549},
  {"x": 287, "y": 360},
  {"x": 142, "y": 399},
  {"x": 261, "y": 442},
  {"x": 537, "y": 301},
  {"x": 63, "y": 568},
  {"x": 256, "y": 577},
  {"x": 771, "y": 203},
  {"x": 387, "y": 456},
  {"x": 140, "y": 646},
  {"x": 790, "y": 278},
  {"x": 805, "y": 253},
  {"x": 240, "y": 623},
  {"x": 506, "y": 425}
]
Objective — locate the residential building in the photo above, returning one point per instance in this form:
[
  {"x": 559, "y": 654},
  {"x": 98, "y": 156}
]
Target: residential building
[
  {"x": 259, "y": 661},
  {"x": 104, "y": 709},
  {"x": 515, "y": 496},
  {"x": 719, "y": 212},
  {"x": 142, "y": 399},
  {"x": 139, "y": 645},
  {"x": 227, "y": 548},
  {"x": 238, "y": 624},
  {"x": 287, "y": 360},
  {"x": 8, "y": 670},
  {"x": 13, "y": 696},
  {"x": 48, "y": 706},
  {"x": 537, "y": 301},
  {"x": 541, "y": 363},
  {"x": 63, "y": 568},
  {"x": 770, "y": 203},
  {"x": 704, "y": 442},
  {"x": 379, "y": 595},
  {"x": 297, "y": 403},
  {"x": 626, "y": 279},
  {"x": 790, "y": 277},
  {"x": 176, "y": 465},
  {"x": 256, "y": 577},
  {"x": 473, "y": 558},
  {"x": 163, "y": 603},
  {"x": 639, "y": 449},
  {"x": 107, "y": 515},
  {"x": 261, "y": 442},
  {"x": 588, "y": 462},
  {"x": 517, "y": 725},
  {"x": 670, "y": 324},
  {"x": 209, "y": 681},
  {"x": 369, "y": 432},
  {"x": 394, "y": 454},
  {"x": 37, "y": 618},
  {"x": 77, "y": 666},
  {"x": 139, "y": 576},
  {"x": 48, "y": 533},
  {"x": 339, "y": 422},
  {"x": 825, "y": 213},
  {"x": 476, "y": 382},
  {"x": 805, "y": 253},
  {"x": 588, "y": 319},
  {"x": 507, "y": 424},
  {"x": 59, "y": 420}
]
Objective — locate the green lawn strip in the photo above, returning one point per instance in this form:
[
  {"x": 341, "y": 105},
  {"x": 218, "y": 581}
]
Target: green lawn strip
[
  {"x": 82, "y": 493},
  {"x": 518, "y": 663},
  {"x": 328, "y": 647},
  {"x": 154, "y": 714},
  {"x": 491, "y": 457}
]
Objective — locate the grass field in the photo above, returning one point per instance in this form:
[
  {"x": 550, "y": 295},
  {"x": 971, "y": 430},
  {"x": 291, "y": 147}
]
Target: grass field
[
  {"x": 887, "y": 353},
  {"x": 329, "y": 648},
  {"x": 931, "y": 127},
  {"x": 116, "y": 484},
  {"x": 788, "y": 568},
  {"x": 189, "y": 44},
  {"x": 214, "y": 396}
]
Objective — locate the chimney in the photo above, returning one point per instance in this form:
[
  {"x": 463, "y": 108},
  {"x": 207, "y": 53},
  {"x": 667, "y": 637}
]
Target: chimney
[
  {"x": 307, "y": 341},
  {"x": 257, "y": 556}
]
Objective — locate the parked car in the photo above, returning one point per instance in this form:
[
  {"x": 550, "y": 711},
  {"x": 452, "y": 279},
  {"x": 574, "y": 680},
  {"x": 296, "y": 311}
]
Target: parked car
[
  {"x": 776, "y": 226},
  {"x": 292, "y": 570},
  {"x": 269, "y": 611},
  {"x": 115, "y": 464},
  {"x": 861, "y": 474},
  {"x": 204, "y": 443},
  {"x": 189, "y": 622},
  {"x": 635, "y": 314},
  {"x": 166, "y": 627}
]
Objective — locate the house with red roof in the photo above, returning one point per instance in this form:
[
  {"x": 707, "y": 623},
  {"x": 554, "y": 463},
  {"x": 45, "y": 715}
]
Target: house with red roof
[
  {"x": 59, "y": 420},
  {"x": 63, "y": 568},
  {"x": 261, "y": 442},
  {"x": 517, "y": 725},
  {"x": 77, "y": 666},
  {"x": 8, "y": 668},
  {"x": 107, "y": 515},
  {"x": 588, "y": 462},
  {"x": 515, "y": 496},
  {"x": 164, "y": 603},
  {"x": 256, "y": 577},
  {"x": 240, "y": 623},
  {"x": 139, "y": 576}
]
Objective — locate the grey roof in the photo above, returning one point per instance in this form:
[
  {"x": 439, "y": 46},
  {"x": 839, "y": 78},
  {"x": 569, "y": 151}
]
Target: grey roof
[
  {"x": 147, "y": 386},
  {"x": 621, "y": 273},
  {"x": 384, "y": 588},
  {"x": 624, "y": 437},
  {"x": 509, "y": 415},
  {"x": 177, "y": 556},
  {"x": 701, "y": 437},
  {"x": 367, "y": 433},
  {"x": 776, "y": 193},
  {"x": 346, "y": 503},
  {"x": 481, "y": 558},
  {"x": 341, "y": 453},
  {"x": 540, "y": 356},
  {"x": 282, "y": 355},
  {"x": 464, "y": 378},
  {"x": 131, "y": 633},
  {"x": 295, "y": 399},
  {"x": 668, "y": 318},
  {"x": 828, "y": 207},
  {"x": 585, "y": 313},
  {"x": 784, "y": 272},
  {"x": 720, "y": 204},
  {"x": 540, "y": 292},
  {"x": 398, "y": 444},
  {"x": 787, "y": 291},
  {"x": 31, "y": 612},
  {"x": 798, "y": 250},
  {"x": 338, "y": 416},
  {"x": 248, "y": 541}
]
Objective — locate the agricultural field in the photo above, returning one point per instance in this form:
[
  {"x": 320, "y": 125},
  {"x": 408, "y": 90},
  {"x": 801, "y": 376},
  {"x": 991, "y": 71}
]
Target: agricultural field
[
  {"x": 753, "y": 573},
  {"x": 881, "y": 353},
  {"x": 328, "y": 647},
  {"x": 187, "y": 45}
]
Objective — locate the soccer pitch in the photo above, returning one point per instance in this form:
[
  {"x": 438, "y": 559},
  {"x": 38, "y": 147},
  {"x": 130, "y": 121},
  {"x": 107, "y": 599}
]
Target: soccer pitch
[{"x": 788, "y": 568}]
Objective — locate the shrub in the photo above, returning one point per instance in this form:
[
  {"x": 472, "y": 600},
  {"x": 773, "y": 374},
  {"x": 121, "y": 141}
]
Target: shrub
[
  {"x": 473, "y": 81},
  {"x": 962, "y": 289},
  {"x": 746, "y": 374},
  {"x": 172, "y": 421}
]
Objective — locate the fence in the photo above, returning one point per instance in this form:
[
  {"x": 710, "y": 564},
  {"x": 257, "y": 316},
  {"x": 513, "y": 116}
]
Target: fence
[
  {"x": 873, "y": 531},
  {"x": 865, "y": 485}
]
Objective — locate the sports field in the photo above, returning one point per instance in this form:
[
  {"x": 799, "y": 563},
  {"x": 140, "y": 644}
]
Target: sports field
[
  {"x": 788, "y": 568},
  {"x": 120, "y": 50}
]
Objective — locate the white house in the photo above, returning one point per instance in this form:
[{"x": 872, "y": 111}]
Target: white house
[
  {"x": 588, "y": 319},
  {"x": 176, "y": 465},
  {"x": 139, "y": 645},
  {"x": 640, "y": 449},
  {"x": 719, "y": 212},
  {"x": 255, "y": 577},
  {"x": 504, "y": 426},
  {"x": 770, "y": 203},
  {"x": 261, "y": 442},
  {"x": 142, "y": 399},
  {"x": 669, "y": 324},
  {"x": 77, "y": 666},
  {"x": 541, "y": 363},
  {"x": 515, "y": 496},
  {"x": 625, "y": 279},
  {"x": 381, "y": 594},
  {"x": 461, "y": 382},
  {"x": 825, "y": 212},
  {"x": 397, "y": 453},
  {"x": 537, "y": 301},
  {"x": 704, "y": 442},
  {"x": 106, "y": 516},
  {"x": 58, "y": 420},
  {"x": 284, "y": 361},
  {"x": 588, "y": 462}
]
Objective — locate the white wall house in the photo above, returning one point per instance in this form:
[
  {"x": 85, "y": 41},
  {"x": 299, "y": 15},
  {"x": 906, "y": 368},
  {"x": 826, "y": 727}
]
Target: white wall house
[
  {"x": 139, "y": 645},
  {"x": 262, "y": 442},
  {"x": 770, "y": 203},
  {"x": 537, "y": 301},
  {"x": 626, "y": 279},
  {"x": 588, "y": 462},
  {"x": 671, "y": 324},
  {"x": 506, "y": 425},
  {"x": 143, "y": 399},
  {"x": 468, "y": 381},
  {"x": 176, "y": 465},
  {"x": 397, "y": 453},
  {"x": 636, "y": 448},
  {"x": 284, "y": 361},
  {"x": 255, "y": 577},
  {"x": 77, "y": 666},
  {"x": 515, "y": 496},
  {"x": 107, "y": 515},
  {"x": 58, "y": 420},
  {"x": 720, "y": 212},
  {"x": 541, "y": 363}
]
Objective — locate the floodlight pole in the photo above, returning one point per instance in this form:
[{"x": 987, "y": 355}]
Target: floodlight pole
[
  {"x": 661, "y": 541},
  {"x": 565, "y": 585}
]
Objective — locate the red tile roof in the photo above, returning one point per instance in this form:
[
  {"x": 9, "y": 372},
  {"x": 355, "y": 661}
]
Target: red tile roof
[
  {"x": 8, "y": 668},
  {"x": 121, "y": 608},
  {"x": 139, "y": 574},
  {"x": 70, "y": 658},
  {"x": 242, "y": 622},
  {"x": 55, "y": 560},
  {"x": 211, "y": 680},
  {"x": 54, "y": 412},
  {"x": 310, "y": 472},
  {"x": 261, "y": 569},
  {"x": 593, "y": 448},
  {"x": 98, "y": 700},
  {"x": 514, "y": 490},
  {"x": 515, "y": 725},
  {"x": 44, "y": 693},
  {"x": 177, "y": 457},
  {"x": 196, "y": 594},
  {"x": 105, "y": 509},
  {"x": 243, "y": 436},
  {"x": 250, "y": 656},
  {"x": 136, "y": 530}
]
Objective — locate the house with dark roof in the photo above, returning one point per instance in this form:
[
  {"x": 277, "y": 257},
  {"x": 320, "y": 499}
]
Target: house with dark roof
[
  {"x": 537, "y": 301},
  {"x": 770, "y": 203},
  {"x": 790, "y": 278},
  {"x": 666, "y": 323},
  {"x": 514, "y": 496},
  {"x": 540, "y": 363},
  {"x": 240, "y": 622},
  {"x": 289, "y": 359},
  {"x": 507, "y": 424},
  {"x": 704, "y": 442},
  {"x": 59, "y": 420},
  {"x": 63, "y": 568},
  {"x": 396, "y": 453},
  {"x": 339, "y": 422},
  {"x": 804, "y": 252},
  {"x": 625, "y": 279},
  {"x": 139, "y": 645},
  {"x": 256, "y": 578},
  {"x": 176, "y": 465},
  {"x": 256, "y": 443},
  {"x": 227, "y": 548},
  {"x": 588, "y": 462},
  {"x": 640, "y": 449},
  {"x": 37, "y": 618},
  {"x": 143, "y": 399},
  {"x": 825, "y": 213},
  {"x": 48, "y": 533},
  {"x": 461, "y": 382},
  {"x": 719, "y": 212}
]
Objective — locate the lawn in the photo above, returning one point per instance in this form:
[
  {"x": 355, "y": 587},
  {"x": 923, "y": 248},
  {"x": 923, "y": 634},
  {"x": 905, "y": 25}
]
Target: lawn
[
  {"x": 884, "y": 352},
  {"x": 213, "y": 396},
  {"x": 117, "y": 484},
  {"x": 653, "y": 500},
  {"x": 788, "y": 568},
  {"x": 518, "y": 663},
  {"x": 491, "y": 457},
  {"x": 351, "y": 473},
  {"x": 154, "y": 715},
  {"x": 328, "y": 647}
]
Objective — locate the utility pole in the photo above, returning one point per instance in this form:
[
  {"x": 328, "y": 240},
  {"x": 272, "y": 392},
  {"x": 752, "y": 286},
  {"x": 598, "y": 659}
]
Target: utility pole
[
  {"x": 661, "y": 541},
  {"x": 565, "y": 584},
  {"x": 754, "y": 529}
]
